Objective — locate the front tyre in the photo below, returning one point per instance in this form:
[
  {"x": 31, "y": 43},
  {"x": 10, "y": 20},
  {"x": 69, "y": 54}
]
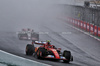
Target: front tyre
[{"x": 67, "y": 55}]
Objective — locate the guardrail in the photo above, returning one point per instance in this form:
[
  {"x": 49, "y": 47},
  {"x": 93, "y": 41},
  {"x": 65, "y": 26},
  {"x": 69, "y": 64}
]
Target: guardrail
[{"x": 86, "y": 26}]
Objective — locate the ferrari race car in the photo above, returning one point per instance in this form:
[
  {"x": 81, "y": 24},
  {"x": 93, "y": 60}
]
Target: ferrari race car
[
  {"x": 46, "y": 50},
  {"x": 27, "y": 34}
]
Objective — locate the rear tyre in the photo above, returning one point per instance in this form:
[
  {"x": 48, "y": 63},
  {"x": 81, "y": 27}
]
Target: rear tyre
[
  {"x": 41, "y": 53},
  {"x": 67, "y": 55},
  {"x": 30, "y": 49}
]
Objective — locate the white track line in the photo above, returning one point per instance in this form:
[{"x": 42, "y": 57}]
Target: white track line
[
  {"x": 70, "y": 25},
  {"x": 85, "y": 32},
  {"x": 24, "y": 58}
]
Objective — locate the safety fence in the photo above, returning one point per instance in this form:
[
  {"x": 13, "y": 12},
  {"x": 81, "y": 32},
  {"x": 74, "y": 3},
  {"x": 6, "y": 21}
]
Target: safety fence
[{"x": 86, "y": 26}]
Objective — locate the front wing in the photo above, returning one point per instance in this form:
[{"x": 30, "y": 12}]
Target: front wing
[{"x": 52, "y": 57}]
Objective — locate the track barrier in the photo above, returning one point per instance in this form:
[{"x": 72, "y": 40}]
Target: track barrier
[
  {"x": 99, "y": 31},
  {"x": 84, "y": 26}
]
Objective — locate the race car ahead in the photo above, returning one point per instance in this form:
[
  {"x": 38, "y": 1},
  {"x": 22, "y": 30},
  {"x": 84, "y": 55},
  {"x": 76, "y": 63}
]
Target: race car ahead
[
  {"x": 27, "y": 34},
  {"x": 46, "y": 50}
]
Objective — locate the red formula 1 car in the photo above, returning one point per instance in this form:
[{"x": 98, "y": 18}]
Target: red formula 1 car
[{"x": 46, "y": 50}]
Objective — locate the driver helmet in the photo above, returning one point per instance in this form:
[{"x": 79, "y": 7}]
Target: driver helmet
[
  {"x": 48, "y": 42},
  {"x": 28, "y": 29}
]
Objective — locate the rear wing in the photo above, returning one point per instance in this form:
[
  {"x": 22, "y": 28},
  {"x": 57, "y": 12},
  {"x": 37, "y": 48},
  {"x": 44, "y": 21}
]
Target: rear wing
[
  {"x": 35, "y": 36},
  {"x": 40, "y": 42}
]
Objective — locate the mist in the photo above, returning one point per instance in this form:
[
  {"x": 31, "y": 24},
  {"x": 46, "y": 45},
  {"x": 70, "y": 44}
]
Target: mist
[{"x": 18, "y": 14}]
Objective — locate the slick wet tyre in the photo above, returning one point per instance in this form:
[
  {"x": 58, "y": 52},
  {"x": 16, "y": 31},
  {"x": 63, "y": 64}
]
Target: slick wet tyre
[
  {"x": 67, "y": 55},
  {"x": 30, "y": 49},
  {"x": 41, "y": 53}
]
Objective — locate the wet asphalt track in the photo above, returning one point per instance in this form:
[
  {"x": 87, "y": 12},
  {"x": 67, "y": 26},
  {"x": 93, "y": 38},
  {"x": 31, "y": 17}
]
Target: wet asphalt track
[
  {"x": 10, "y": 43},
  {"x": 86, "y": 50}
]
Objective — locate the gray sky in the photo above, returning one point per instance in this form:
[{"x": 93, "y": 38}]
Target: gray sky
[{"x": 17, "y": 14}]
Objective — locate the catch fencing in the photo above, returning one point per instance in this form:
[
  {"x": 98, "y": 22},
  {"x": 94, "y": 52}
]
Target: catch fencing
[
  {"x": 84, "y": 26},
  {"x": 85, "y": 18}
]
